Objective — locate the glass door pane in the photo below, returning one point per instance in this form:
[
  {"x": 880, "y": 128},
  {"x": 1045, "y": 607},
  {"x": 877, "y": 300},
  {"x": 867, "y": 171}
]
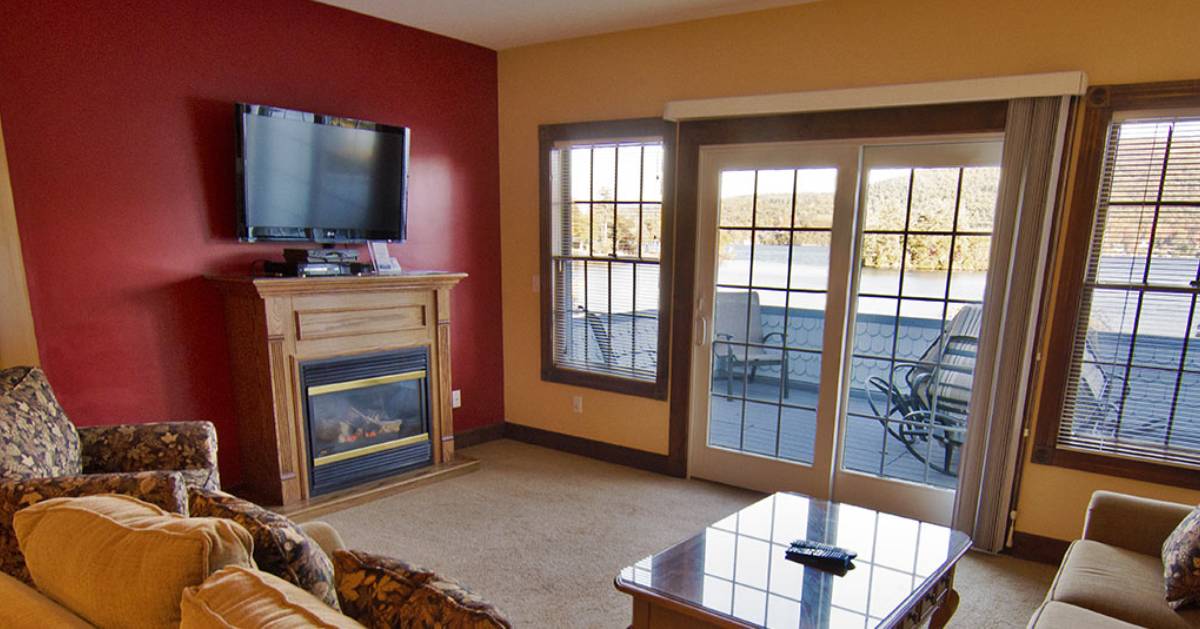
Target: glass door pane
[
  {"x": 774, "y": 231},
  {"x": 926, "y": 239}
]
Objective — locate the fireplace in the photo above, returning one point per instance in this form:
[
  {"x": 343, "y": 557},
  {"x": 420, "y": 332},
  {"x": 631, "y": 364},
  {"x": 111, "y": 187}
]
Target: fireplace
[{"x": 367, "y": 416}]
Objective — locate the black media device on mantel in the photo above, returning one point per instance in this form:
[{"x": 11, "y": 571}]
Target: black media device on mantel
[
  {"x": 306, "y": 177},
  {"x": 317, "y": 263},
  {"x": 316, "y": 269}
]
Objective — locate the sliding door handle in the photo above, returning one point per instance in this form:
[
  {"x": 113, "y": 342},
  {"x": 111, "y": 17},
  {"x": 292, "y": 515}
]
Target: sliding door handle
[{"x": 702, "y": 326}]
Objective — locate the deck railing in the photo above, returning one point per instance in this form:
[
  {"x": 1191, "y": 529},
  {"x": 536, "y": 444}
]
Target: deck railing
[{"x": 1144, "y": 410}]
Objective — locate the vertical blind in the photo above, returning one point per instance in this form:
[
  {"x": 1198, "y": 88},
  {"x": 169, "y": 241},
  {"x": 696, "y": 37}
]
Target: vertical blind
[
  {"x": 607, "y": 212},
  {"x": 1134, "y": 382}
]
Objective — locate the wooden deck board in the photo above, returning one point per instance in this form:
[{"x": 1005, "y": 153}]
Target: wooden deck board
[{"x": 869, "y": 449}]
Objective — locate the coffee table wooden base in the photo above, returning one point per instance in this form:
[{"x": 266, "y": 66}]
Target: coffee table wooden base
[
  {"x": 651, "y": 611},
  {"x": 938, "y": 605}
]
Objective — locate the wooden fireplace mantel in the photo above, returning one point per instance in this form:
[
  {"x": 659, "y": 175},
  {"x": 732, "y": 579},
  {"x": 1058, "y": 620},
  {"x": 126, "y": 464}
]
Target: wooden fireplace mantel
[{"x": 274, "y": 324}]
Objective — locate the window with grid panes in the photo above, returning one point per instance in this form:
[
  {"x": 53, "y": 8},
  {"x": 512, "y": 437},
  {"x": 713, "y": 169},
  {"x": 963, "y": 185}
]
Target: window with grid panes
[
  {"x": 1134, "y": 381},
  {"x": 604, "y": 321}
]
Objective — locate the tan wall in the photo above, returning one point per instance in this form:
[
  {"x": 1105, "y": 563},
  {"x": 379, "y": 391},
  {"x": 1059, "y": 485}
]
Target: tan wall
[
  {"x": 829, "y": 44},
  {"x": 17, "y": 343}
]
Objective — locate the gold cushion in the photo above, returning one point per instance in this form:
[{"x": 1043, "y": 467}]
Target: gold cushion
[
  {"x": 119, "y": 562},
  {"x": 26, "y": 608},
  {"x": 238, "y": 597}
]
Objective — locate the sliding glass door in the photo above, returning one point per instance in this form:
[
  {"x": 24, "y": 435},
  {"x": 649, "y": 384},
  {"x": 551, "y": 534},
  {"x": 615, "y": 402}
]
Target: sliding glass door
[
  {"x": 841, "y": 299},
  {"x": 776, "y": 228},
  {"x": 925, "y": 222}
]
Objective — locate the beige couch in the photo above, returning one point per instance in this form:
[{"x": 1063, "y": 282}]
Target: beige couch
[
  {"x": 1113, "y": 577},
  {"x": 25, "y": 607}
]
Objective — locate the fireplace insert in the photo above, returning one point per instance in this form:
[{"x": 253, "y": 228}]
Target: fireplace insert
[{"x": 367, "y": 416}]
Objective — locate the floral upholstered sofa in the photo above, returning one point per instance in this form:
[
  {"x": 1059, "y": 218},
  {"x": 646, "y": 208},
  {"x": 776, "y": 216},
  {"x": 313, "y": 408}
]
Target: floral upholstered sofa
[
  {"x": 173, "y": 467},
  {"x": 305, "y": 576},
  {"x": 45, "y": 456}
]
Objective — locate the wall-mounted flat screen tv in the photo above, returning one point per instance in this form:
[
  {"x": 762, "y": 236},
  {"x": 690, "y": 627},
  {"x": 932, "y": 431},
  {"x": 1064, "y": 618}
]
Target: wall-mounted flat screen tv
[{"x": 314, "y": 178}]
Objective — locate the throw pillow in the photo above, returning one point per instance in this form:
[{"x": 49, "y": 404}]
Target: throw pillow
[
  {"x": 1181, "y": 562},
  {"x": 240, "y": 597},
  {"x": 445, "y": 603},
  {"x": 371, "y": 587},
  {"x": 280, "y": 547},
  {"x": 119, "y": 562},
  {"x": 36, "y": 438},
  {"x": 165, "y": 489},
  {"x": 382, "y": 592}
]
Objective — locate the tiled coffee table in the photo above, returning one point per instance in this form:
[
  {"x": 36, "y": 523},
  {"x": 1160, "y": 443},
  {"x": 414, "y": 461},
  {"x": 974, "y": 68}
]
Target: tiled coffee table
[{"x": 734, "y": 574}]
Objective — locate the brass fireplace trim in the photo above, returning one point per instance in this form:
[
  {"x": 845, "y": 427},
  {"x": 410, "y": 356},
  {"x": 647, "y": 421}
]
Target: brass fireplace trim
[
  {"x": 379, "y": 447},
  {"x": 363, "y": 383}
]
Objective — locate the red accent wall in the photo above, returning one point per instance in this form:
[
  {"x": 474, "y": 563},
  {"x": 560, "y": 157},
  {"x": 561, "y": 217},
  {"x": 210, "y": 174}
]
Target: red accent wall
[{"x": 118, "y": 121}]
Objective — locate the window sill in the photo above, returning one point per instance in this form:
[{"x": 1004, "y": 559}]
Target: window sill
[
  {"x": 626, "y": 386},
  {"x": 1136, "y": 469}
]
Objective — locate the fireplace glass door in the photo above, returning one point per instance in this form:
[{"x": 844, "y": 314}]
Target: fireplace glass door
[
  {"x": 366, "y": 417},
  {"x": 360, "y": 417}
]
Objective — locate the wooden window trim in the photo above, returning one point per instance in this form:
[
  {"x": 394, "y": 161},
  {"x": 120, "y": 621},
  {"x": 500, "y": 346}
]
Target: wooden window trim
[
  {"x": 548, "y": 136},
  {"x": 1100, "y": 105}
]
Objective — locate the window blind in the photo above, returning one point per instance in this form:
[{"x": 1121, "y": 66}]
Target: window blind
[
  {"x": 1134, "y": 380},
  {"x": 606, "y": 209}
]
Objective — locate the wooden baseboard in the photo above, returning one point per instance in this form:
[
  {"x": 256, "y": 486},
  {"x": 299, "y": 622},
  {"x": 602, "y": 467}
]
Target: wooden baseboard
[
  {"x": 476, "y": 436},
  {"x": 1046, "y": 550},
  {"x": 607, "y": 452}
]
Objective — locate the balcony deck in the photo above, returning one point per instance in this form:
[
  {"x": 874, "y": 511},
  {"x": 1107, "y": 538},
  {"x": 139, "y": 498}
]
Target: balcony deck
[{"x": 868, "y": 448}]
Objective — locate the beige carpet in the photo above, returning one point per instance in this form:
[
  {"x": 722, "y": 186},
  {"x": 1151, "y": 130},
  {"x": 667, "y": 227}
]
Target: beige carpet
[{"x": 542, "y": 534}]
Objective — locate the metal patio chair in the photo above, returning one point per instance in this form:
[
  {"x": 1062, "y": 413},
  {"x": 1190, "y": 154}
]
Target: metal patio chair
[
  {"x": 930, "y": 396},
  {"x": 739, "y": 327},
  {"x": 1095, "y": 411},
  {"x": 597, "y": 322}
]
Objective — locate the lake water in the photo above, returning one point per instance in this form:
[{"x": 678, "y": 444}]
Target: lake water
[
  {"x": 1164, "y": 315},
  {"x": 810, "y": 270}
]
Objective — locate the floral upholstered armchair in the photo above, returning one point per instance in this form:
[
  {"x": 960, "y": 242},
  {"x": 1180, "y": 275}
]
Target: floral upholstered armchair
[{"x": 43, "y": 455}]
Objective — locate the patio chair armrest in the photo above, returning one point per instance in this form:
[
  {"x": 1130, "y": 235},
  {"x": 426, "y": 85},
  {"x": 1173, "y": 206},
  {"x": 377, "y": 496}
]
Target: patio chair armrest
[
  {"x": 164, "y": 489},
  {"x": 919, "y": 416},
  {"x": 770, "y": 334},
  {"x": 883, "y": 384},
  {"x": 907, "y": 364},
  {"x": 186, "y": 446},
  {"x": 927, "y": 418},
  {"x": 728, "y": 349},
  {"x": 1131, "y": 522}
]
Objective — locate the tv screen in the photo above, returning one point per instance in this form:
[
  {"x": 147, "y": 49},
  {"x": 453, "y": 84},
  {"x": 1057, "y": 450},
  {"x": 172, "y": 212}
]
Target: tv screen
[{"x": 316, "y": 178}]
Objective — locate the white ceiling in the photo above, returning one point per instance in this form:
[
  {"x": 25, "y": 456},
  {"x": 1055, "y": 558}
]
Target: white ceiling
[{"x": 500, "y": 24}]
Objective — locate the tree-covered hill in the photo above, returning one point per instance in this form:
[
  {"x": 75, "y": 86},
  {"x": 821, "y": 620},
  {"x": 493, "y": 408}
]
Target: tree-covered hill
[{"x": 934, "y": 192}]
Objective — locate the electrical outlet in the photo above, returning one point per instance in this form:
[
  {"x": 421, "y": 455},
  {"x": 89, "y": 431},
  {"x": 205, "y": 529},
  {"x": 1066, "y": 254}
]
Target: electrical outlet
[
  {"x": 456, "y": 398},
  {"x": 577, "y": 404}
]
